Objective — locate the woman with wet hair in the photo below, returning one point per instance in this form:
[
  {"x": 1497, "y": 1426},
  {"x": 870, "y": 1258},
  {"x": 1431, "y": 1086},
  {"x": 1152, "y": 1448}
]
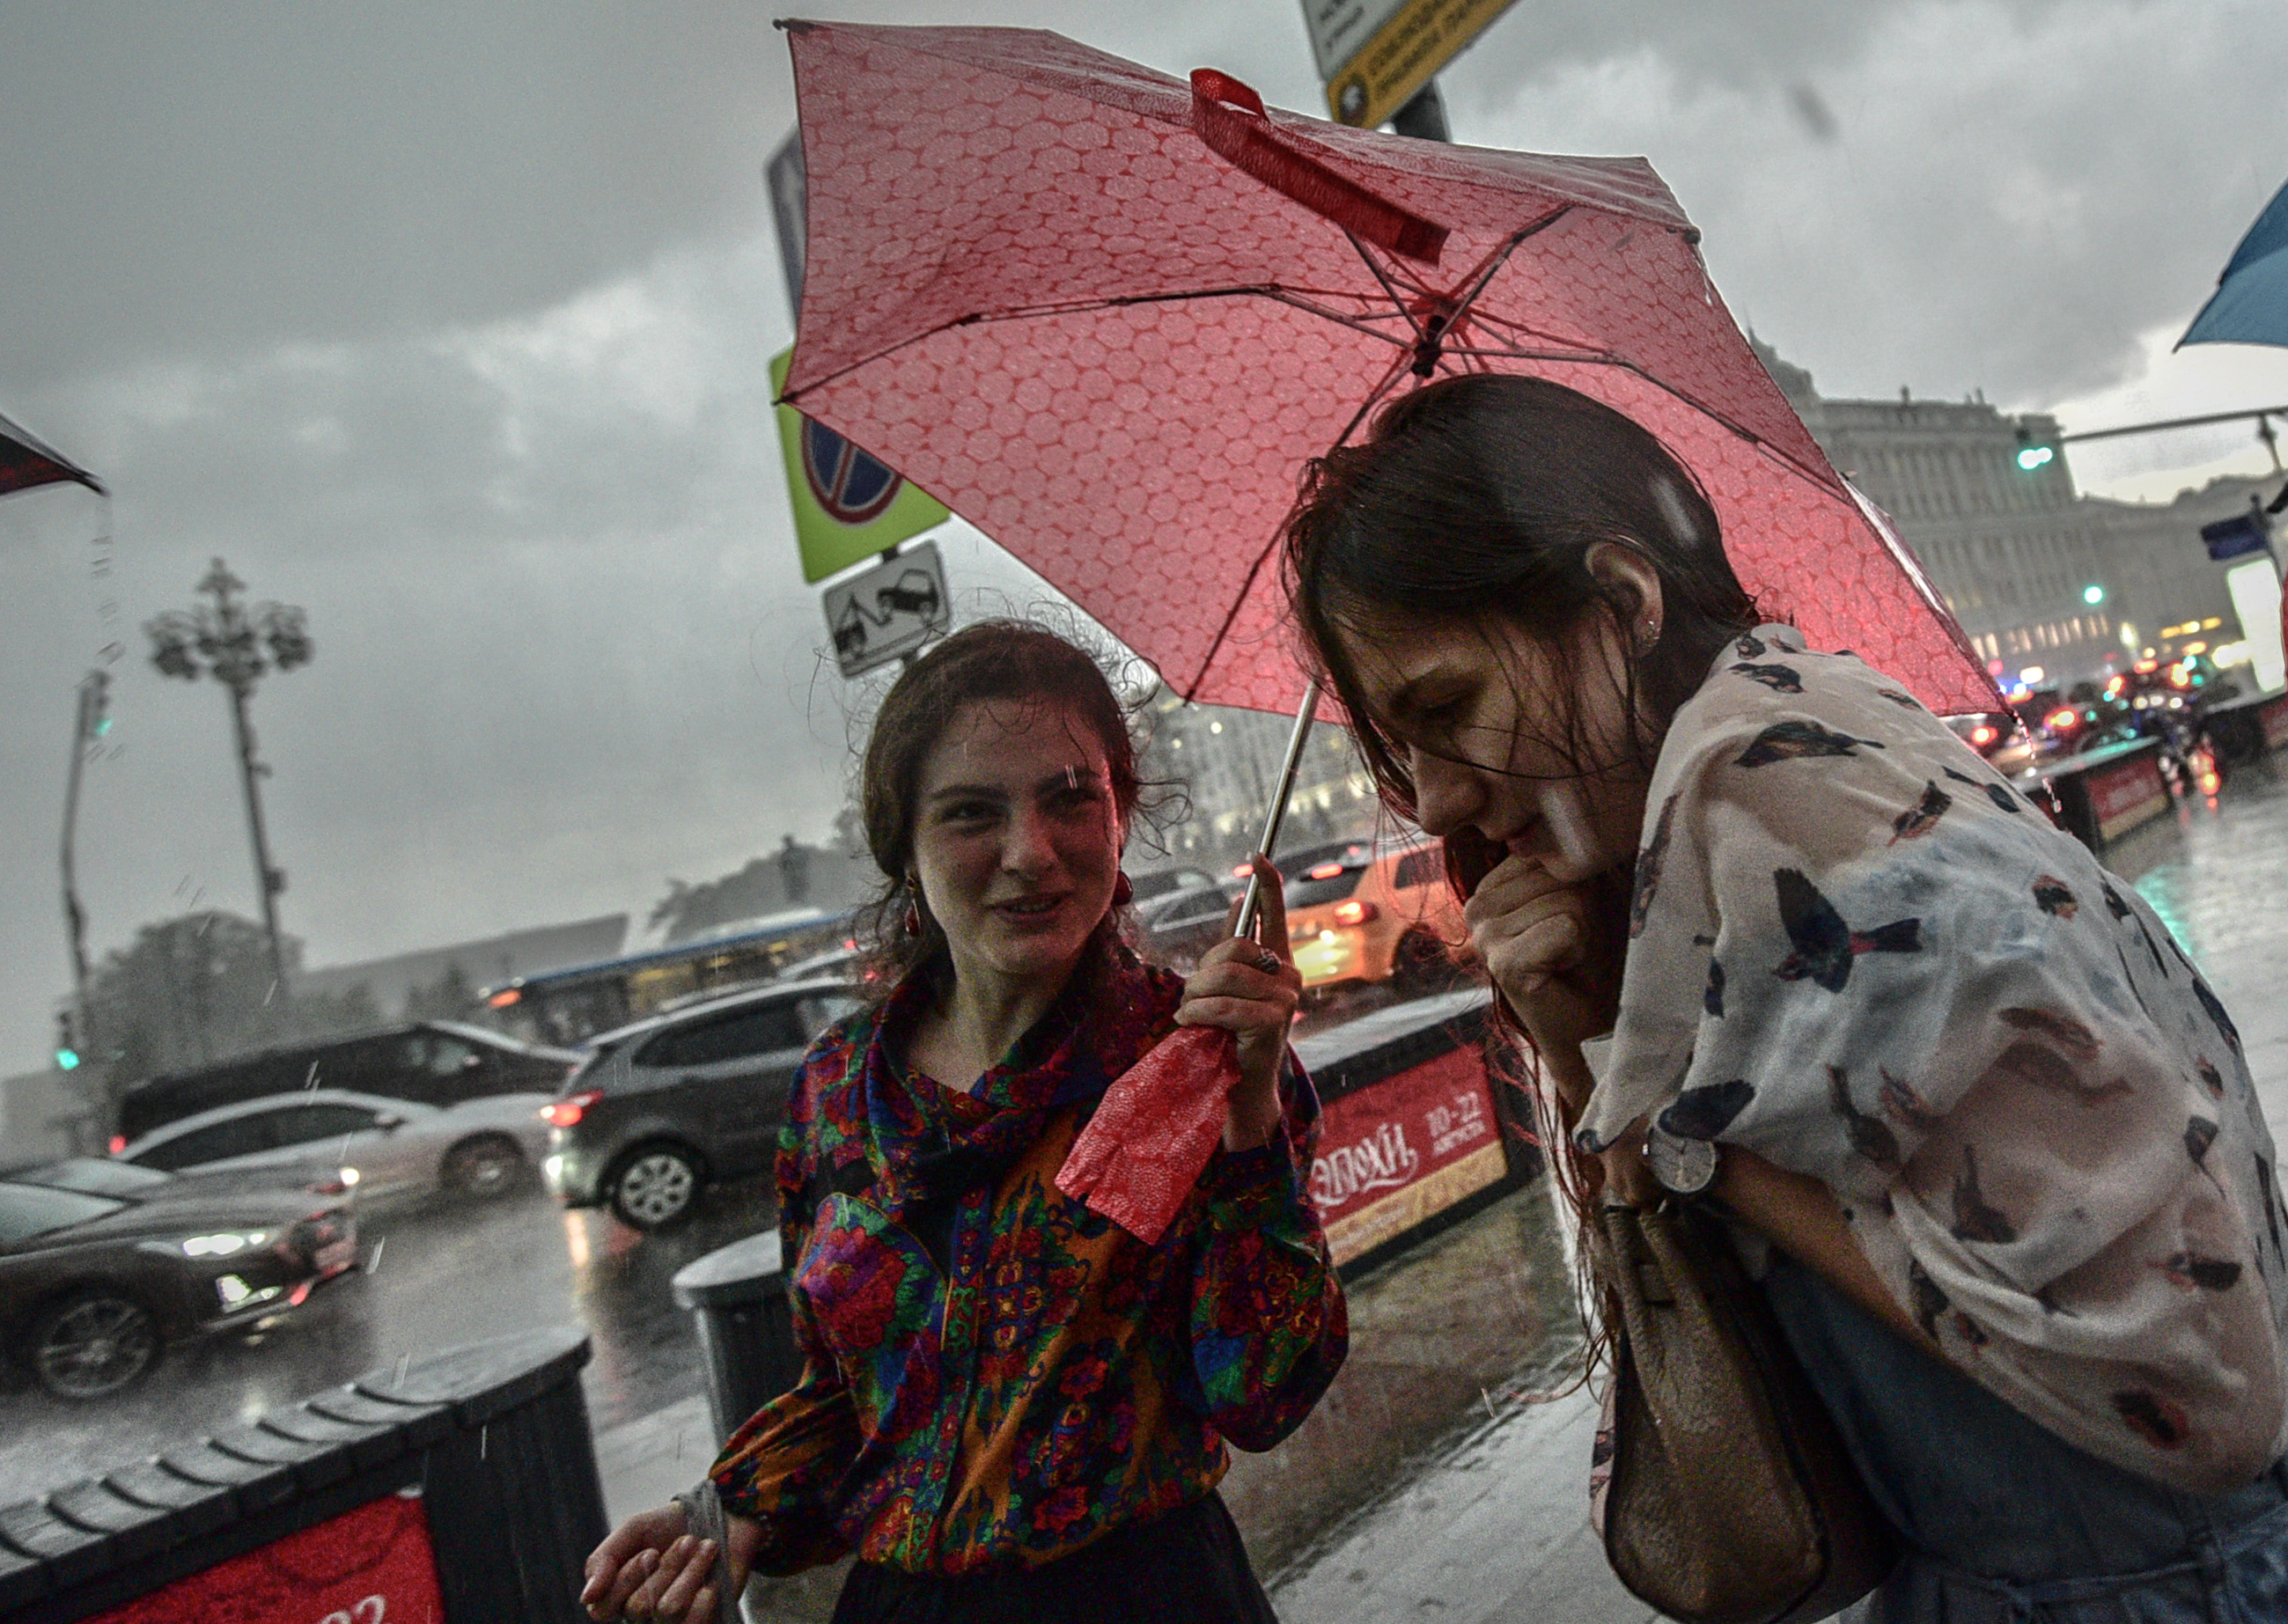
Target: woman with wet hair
[
  {"x": 1776, "y": 935},
  {"x": 1011, "y": 1409}
]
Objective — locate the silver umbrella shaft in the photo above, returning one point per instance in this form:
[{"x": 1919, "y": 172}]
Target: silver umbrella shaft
[{"x": 1277, "y": 815}]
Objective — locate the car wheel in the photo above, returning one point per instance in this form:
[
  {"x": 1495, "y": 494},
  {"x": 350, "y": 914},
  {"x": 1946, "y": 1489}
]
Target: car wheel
[
  {"x": 656, "y": 1186},
  {"x": 485, "y": 1167},
  {"x": 1421, "y": 965},
  {"x": 92, "y": 1344}
]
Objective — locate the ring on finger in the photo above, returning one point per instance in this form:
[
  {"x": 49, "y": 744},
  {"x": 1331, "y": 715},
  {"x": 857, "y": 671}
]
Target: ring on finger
[{"x": 1266, "y": 961}]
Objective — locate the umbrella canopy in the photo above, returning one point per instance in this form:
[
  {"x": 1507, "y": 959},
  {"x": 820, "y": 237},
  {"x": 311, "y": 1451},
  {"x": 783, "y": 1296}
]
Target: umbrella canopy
[
  {"x": 1107, "y": 316},
  {"x": 25, "y": 463},
  {"x": 2251, "y": 303}
]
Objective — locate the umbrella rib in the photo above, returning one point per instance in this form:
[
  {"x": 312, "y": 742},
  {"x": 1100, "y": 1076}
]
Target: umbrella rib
[
  {"x": 1395, "y": 371},
  {"x": 1270, "y": 290},
  {"x": 1396, "y": 302}
]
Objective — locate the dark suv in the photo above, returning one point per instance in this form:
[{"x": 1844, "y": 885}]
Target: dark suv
[
  {"x": 661, "y": 1108},
  {"x": 430, "y": 1061}
]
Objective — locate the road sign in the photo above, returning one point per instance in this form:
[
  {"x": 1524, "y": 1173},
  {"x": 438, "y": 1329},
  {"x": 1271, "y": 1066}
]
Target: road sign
[
  {"x": 1339, "y": 28},
  {"x": 888, "y": 611},
  {"x": 1394, "y": 47},
  {"x": 789, "y": 187},
  {"x": 2230, "y": 538},
  {"x": 848, "y": 506}
]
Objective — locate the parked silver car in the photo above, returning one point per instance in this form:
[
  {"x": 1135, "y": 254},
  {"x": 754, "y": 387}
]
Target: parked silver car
[{"x": 388, "y": 1152}]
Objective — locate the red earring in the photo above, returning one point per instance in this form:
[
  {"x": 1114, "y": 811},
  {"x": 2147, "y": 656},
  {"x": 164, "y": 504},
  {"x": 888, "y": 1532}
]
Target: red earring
[{"x": 1123, "y": 892}]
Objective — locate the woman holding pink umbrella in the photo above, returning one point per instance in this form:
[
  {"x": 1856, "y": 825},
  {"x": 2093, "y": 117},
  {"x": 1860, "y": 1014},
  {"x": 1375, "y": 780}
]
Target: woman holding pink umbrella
[
  {"x": 1012, "y": 1409},
  {"x": 1778, "y": 938}
]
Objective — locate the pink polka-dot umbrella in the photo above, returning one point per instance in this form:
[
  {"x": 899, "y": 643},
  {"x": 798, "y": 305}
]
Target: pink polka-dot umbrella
[{"x": 1108, "y": 317}]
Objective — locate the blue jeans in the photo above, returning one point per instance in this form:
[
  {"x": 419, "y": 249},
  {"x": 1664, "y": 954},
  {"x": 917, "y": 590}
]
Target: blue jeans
[{"x": 2005, "y": 1521}]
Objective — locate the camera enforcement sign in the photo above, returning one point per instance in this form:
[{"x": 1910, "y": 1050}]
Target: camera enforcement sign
[{"x": 848, "y": 506}]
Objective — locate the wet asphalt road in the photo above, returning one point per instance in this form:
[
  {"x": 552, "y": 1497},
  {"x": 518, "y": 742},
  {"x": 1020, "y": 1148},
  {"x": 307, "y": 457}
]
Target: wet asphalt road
[
  {"x": 450, "y": 1273},
  {"x": 436, "y": 1276}
]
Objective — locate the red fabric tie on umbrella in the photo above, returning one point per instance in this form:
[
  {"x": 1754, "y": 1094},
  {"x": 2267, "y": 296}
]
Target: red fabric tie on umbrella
[{"x": 1107, "y": 316}]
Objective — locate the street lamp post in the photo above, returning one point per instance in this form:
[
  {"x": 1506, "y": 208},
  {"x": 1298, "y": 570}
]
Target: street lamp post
[
  {"x": 227, "y": 640},
  {"x": 91, "y": 719}
]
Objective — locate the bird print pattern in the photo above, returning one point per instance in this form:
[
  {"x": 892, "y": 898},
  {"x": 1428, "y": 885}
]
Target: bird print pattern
[
  {"x": 1923, "y": 816},
  {"x": 1861, "y": 955},
  {"x": 1824, "y": 948}
]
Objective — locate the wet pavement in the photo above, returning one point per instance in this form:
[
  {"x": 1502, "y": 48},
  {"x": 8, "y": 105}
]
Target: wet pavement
[{"x": 2217, "y": 872}]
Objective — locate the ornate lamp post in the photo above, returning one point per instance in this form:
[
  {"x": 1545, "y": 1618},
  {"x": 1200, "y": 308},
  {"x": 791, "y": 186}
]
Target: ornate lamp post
[{"x": 227, "y": 640}]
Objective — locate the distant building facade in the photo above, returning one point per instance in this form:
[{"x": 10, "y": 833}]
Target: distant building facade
[
  {"x": 1225, "y": 762},
  {"x": 392, "y": 980},
  {"x": 2013, "y": 551},
  {"x": 2173, "y": 597}
]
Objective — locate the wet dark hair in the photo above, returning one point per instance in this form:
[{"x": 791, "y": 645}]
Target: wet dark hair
[
  {"x": 1476, "y": 500},
  {"x": 996, "y": 660}
]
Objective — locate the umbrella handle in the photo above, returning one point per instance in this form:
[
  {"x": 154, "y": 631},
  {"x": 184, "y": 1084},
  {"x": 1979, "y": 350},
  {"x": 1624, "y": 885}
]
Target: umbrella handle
[{"x": 1304, "y": 716}]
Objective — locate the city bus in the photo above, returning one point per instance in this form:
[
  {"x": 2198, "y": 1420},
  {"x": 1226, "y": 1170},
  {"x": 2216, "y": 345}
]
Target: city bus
[{"x": 565, "y": 1007}]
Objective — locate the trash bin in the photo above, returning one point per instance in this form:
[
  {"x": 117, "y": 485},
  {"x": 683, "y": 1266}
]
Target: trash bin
[
  {"x": 737, "y": 1293},
  {"x": 460, "y": 1484}
]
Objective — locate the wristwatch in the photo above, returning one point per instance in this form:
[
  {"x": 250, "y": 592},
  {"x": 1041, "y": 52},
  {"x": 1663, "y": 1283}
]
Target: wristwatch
[{"x": 1680, "y": 1166}]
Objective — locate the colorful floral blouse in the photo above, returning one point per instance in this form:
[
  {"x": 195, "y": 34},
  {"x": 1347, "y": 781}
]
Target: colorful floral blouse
[
  {"x": 1860, "y": 952},
  {"x": 994, "y": 1374}
]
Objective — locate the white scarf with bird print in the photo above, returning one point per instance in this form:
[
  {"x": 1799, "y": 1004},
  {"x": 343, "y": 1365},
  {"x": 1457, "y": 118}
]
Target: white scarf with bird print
[{"x": 1857, "y": 952}]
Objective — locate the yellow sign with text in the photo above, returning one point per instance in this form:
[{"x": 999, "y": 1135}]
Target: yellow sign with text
[{"x": 1404, "y": 54}]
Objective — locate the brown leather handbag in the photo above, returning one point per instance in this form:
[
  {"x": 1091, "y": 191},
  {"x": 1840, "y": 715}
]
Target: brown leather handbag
[{"x": 1733, "y": 1500}]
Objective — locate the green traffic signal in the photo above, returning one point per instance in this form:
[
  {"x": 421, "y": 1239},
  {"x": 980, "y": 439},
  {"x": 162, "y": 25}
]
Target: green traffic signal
[
  {"x": 2092, "y": 594},
  {"x": 2034, "y": 457},
  {"x": 67, "y": 1060}
]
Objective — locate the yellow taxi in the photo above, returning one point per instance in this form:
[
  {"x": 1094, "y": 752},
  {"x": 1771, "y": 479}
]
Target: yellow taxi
[{"x": 1364, "y": 912}]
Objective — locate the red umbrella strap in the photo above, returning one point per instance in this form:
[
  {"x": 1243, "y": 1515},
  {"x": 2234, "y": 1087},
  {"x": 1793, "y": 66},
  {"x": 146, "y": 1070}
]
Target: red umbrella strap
[{"x": 1229, "y": 117}]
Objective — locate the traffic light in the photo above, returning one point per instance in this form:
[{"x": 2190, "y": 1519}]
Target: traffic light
[
  {"x": 95, "y": 719},
  {"x": 2032, "y": 453},
  {"x": 66, "y": 1043},
  {"x": 2092, "y": 594}
]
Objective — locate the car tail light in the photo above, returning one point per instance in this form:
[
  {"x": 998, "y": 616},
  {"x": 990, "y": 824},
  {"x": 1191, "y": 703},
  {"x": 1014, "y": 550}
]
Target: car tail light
[
  {"x": 1354, "y": 911},
  {"x": 1325, "y": 871},
  {"x": 568, "y": 1111},
  {"x": 118, "y": 1142}
]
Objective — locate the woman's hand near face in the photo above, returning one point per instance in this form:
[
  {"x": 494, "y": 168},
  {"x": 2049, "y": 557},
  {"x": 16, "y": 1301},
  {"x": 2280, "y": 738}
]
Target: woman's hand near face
[
  {"x": 649, "y": 1567},
  {"x": 1553, "y": 949},
  {"x": 1251, "y": 989}
]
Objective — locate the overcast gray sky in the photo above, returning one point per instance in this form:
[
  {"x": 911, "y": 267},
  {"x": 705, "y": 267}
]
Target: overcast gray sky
[{"x": 449, "y": 322}]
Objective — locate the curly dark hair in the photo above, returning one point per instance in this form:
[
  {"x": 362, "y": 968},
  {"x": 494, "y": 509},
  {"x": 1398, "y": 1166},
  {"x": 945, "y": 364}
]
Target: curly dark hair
[{"x": 1007, "y": 660}]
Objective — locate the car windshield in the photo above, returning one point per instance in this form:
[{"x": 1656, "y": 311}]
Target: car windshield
[
  {"x": 27, "y": 1210},
  {"x": 97, "y": 1176}
]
